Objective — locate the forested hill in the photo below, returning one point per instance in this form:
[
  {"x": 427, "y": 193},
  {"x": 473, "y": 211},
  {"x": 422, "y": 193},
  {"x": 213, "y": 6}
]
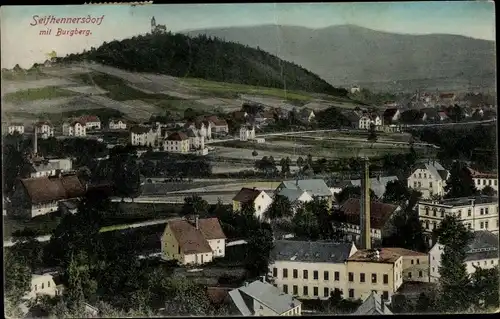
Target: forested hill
[{"x": 207, "y": 58}]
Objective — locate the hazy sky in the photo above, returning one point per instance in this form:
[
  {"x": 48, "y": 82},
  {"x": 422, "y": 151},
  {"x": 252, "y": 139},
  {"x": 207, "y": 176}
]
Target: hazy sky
[{"x": 22, "y": 43}]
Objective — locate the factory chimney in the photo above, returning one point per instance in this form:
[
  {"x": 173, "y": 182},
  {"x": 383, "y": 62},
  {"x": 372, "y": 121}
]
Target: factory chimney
[
  {"x": 35, "y": 143},
  {"x": 366, "y": 240}
]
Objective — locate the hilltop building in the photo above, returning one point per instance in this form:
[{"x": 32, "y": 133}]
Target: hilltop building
[
  {"x": 429, "y": 179},
  {"x": 44, "y": 129},
  {"x": 157, "y": 28},
  {"x": 16, "y": 127}
]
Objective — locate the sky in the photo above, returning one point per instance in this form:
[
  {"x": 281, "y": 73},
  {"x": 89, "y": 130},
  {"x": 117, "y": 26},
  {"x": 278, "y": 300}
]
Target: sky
[{"x": 23, "y": 44}]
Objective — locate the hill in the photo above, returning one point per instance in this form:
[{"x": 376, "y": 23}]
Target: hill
[
  {"x": 206, "y": 58},
  {"x": 348, "y": 54}
]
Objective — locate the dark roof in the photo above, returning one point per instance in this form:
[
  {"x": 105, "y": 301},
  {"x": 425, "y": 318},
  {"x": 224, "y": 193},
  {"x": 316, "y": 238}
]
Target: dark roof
[
  {"x": 137, "y": 129},
  {"x": 483, "y": 239},
  {"x": 246, "y": 195},
  {"x": 405, "y": 252},
  {"x": 415, "y": 287},
  {"x": 89, "y": 118},
  {"x": 368, "y": 255},
  {"x": 389, "y": 113},
  {"x": 177, "y": 136},
  {"x": 45, "y": 189},
  {"x": 211, "y": 228},
  {"x": 431, "y": 112},
  {"x": 373, "y": 305},
  {"x": 190, "y": 239},
  {"x": 310, "y": 251},
  {"x": 380, "y": 212}
]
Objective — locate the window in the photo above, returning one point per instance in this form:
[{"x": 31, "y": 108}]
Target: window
[
  {"x": 420, "y": 274},
  {"x": 419, "y": 175},
  {"x": 258, "y": 207},
  {"x": 285, "y": 289},
  {"x": 315, "y": 291},
  {"x": 484, "y": 182},
  {"x": 442, "y": 213},
  {"x": 275, "y": 272},
  {"x": 337, "y": 274},
  {"x": 418, "y": 261},
  {"x": 434, "y": 211},
  {"x": 482, "y": 225},
  {"x": 495, "y": 182},
  {"x": 426, "y": 224},
  {"x": 385, "y": 295},
  {"x": 285, "y": 273},
  {"x": 434, "y": 225},
  {"x": 486, "y": 225},
  {"x": 481, "y": 211},
  {"x": 430, "y": 184},
  {"x": 433, "y": 269},
  {"x": 425, "y": 175},
  {"x": 409, "y": 274},
  {"x": 305, "y": 292},
  {"x": 351, "y": 277},
  {"x": 326, "y": 292},
  {"x": 374, "y": 278},
  {"x": 489, "y": 182},
  {"x": 295, "y": 290},
  {"x": 48, "y": 284},
  {"x": 414, "y": 184},
  {"x": 315, "y": 275},
  {"x": 351, "y": 293},
  {"x": 295, "y": 273},
  {"x": 419, "y": 184},
  {"x": 361, "y": 277},
  {"x": 304, "y": 274},
  {"x": 35, "y": 287},
  {"x": 326, "y": 275},
  {"x": 43, "y": 285},
  {"x": 486, "y": 211},
  {"x": 427, "y": 211},
  {"x": 386, "y": 279},
  {"x": 469, "y": 212}
]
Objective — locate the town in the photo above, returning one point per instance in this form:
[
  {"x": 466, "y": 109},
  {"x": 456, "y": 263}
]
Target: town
[{"x": 246, "y": 199}]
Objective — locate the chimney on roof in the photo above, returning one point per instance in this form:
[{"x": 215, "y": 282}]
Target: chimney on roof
[
  {"x": 377, "y": 254},
  {"x": 472, "y": 202}
]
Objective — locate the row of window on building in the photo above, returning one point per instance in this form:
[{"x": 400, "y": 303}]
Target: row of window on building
[
  {"x": 362, "y": 278},
  {"x": 489, "y": 181},
  {"x": 482, "y": 211},
  {"x": 305, "y": 274},
  {"x": 43, "y": 285},
  {"x": 326, "y": 291}
]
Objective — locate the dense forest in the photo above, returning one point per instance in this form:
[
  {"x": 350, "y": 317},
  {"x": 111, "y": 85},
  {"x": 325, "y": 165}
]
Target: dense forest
[{"x": 207, "y": 58}]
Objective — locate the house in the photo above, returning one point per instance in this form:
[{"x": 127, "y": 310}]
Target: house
[
  {"x": 444, "y": 117},
  {"x": 447, "y": 98},
  {"x": 415, "y": 264},
  {"x": 373, "y": 305},
  {"x": 16, "y": 127},
  {"x": 74, "y": 128},
  {"x": 380, "y": 217},
  {"x": 429, "y": 179},
  {"x": 240, "y": 116},
  {"x": 141, "y": 136},
  {"x": 259, "y": 199},
  {"x": 482, "y": 252},
  {"x": 41, "y": 168},
  {"x": 378, "y": 271},
  {"x": 366, "y": 120},
  {"x": 195, "y": 242},
  {"x": 429, "y": 115},
  {"x": 44, "y": 129},
  {"x": 412, "y": 290},
  {"x": 295, "y": 196},
  {"x": 475, "y": 212},
  {"x": 391, "y": 116},
  {"x": 202, "y": 126},
  {"x": 353, "y": 118},
  {"x": 481, "y": 179},
  {"x": 117, "y": 124},
  {"x": 337, "y": 186},
  {"x": 306, "y": 115},
  {"x": 177, "y": 142},
  {"x": 314, "y": 187},
  {"x": 196, "y": 141},
  {"x": 44, "y": 284},
  {"x": 218, "y": 125},
  {"x": 263, "y": 299},
  {"x": 247, "y": 132},
  {"x": 91, "y": 122},
  {"x": 38, "y": 196},
  {"x": 355, "y": 89},
  {"x": 377, "y": 184},
  {"x": 310, "y": 269}
]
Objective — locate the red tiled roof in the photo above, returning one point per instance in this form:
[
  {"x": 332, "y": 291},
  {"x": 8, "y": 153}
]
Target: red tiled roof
[
  {"x": 211, "y": 229},
  {"x": 177, "y": 136},
  {"x": 41, "y": 123},
  {"x": 89, "y": 118},
  {"x": 190, "y": 239},
  {"x": 246, "y": 195},
  {"x": 380, "y": 212},
  {"x": 46, "y": 189},
  {"x": 447, "y": 95},
  {"x": 220, "y": 122},
  {"x": 476, "y": 174}
]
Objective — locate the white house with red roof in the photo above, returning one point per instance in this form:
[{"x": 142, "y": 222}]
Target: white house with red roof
[
  {"x": 92, "y": 122},
  {"x": 74, "y": 128},
  {"x": 218, "y": 125},
  {"x": 44, "y": 129},
  {"x": 177, "y": 142},
  {"x": 193, "y": 242},
  {"x": 259, "y": 199}
]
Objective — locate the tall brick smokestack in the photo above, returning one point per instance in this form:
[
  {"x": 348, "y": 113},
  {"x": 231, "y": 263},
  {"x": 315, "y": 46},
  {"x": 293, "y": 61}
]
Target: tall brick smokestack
[{"x": 366, "y": 241}]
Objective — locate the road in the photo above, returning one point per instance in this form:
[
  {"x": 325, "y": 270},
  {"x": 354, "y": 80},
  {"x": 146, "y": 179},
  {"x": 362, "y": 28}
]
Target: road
[
  {"x": 45, "y": 238},
  {"x": 451, "y": 124}
]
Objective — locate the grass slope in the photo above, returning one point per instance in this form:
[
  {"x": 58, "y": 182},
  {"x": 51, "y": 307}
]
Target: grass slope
[{"x": 45, "y": 93}]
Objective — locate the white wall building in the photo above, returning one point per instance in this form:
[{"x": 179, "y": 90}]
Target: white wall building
[
  {"x": 117, "y": 124},
  {"x": 43, "y": 284},
  {"x": 247, "y": 132},
  {"x": 429, "y": 179},
  {"x": 16, "y": 127},
  {"x": 91, "y": 122},
  {"x": 310, "y": 270},
  {"x": 44, "y": 129},
  {"x": 476, "y": 213},
  {"x": 258, "y": 198},
  {"x": 74, "y": 128},
  {"x": 481, "y": 180},
  {"x": 177, "y": 142},
  {"x": 481, "y": 252},
  {"x": 366, "y": 120}
]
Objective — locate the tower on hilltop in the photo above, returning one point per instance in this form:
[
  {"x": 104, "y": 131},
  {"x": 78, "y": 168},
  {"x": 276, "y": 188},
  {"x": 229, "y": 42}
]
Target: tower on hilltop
[
  {"x": 153, "y": 24},
  {"x": 157, "y": 28}
]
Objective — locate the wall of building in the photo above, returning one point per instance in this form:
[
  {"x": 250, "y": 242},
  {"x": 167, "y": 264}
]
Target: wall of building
[
  {"x": 334, "y": 281},
  {"x": 218, "y": 247},
  {"x": 416, "y": 268},
  {"x": 42, "y": 285},
  {"x": 423, "y": 181},
  {"x": 483, "y": 182}
]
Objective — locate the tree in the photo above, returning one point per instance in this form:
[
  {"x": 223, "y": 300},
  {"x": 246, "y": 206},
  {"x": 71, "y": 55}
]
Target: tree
[
  {"x": 195, "y": 205},
  {"x": 455, "y": 286},
  {"x": 485, "y": 288},
  {"x": 488, "y": 191},
  {"x": 285, "y": 166},
  {"x": 126, "y": 175},
  {"x": 460, "y": 182},
  {"x": 259, "y": 246},
  {"x": 305, "y": 224},
  {"x": 352, "y": 192},
  {"x": 255, "y": 154},
  {"x": 300, "y": 162},
  {"x": 279, "y": 208},
  {"x": 17, "y": 278},
  {"x": 29, "y": 250},
  {"x": 396, "y": 192},
  {"x": 372, "y": 134}
]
